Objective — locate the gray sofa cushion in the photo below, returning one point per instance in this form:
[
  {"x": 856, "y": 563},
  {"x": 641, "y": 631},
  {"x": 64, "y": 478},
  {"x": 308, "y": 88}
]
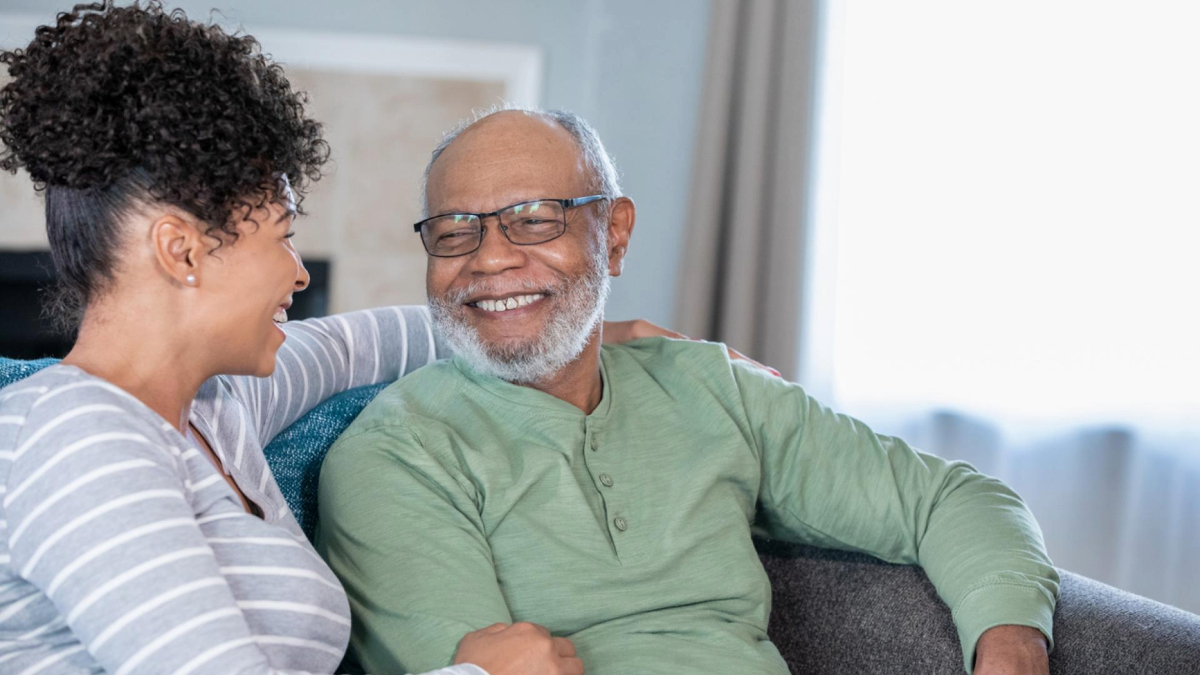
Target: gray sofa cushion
[{"x": 839, "y": 613}]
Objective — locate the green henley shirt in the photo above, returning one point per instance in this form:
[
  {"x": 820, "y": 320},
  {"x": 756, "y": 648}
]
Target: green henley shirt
[{"x": 458, "y": 500}]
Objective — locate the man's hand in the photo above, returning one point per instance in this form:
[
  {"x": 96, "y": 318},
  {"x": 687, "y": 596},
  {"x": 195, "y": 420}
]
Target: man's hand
[
  {"x": 519, "y": 649},
  {"x": 1012, "y": 650},
  {"x": 624, "y": 331}
]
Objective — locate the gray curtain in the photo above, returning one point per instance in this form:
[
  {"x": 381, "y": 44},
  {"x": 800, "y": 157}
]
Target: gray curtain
[{"x": 743, "y": 265}]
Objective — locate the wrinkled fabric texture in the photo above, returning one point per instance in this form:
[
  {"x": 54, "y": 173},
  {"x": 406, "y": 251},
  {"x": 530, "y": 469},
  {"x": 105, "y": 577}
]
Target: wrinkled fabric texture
[
  {"x": 119, "y": 539},
  {"x": 499, "y": 501}
]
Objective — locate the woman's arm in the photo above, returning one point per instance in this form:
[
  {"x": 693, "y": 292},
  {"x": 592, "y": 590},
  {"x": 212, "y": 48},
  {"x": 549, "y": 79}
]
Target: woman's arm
[
  {"x": 624, "y": 331},
  {"x": 326, "y": 356}
]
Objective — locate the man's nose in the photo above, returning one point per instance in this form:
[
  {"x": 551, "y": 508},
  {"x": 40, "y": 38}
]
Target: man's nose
[{"x": 496, "y": 253}]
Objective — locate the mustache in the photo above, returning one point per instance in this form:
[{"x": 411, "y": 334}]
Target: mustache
[{"x": 497, "y": 287}]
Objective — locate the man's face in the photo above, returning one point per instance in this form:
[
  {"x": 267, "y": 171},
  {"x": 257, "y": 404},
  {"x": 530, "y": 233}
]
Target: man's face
[{"x": 558, "y": 287}]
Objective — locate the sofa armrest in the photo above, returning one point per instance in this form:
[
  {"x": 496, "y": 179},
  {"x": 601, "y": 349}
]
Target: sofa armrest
[{"x": 839, "y": 613}]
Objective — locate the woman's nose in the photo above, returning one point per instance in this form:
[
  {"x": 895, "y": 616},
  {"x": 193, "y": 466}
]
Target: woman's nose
[{"x": 302, "y": 277}]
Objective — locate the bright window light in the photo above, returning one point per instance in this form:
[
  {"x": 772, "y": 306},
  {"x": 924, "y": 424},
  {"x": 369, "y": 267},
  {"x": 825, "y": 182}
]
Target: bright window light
[{"x": 1017, "y": 209}]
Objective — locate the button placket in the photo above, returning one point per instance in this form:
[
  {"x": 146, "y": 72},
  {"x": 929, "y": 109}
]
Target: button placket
[{"x": 603, "y": 477}]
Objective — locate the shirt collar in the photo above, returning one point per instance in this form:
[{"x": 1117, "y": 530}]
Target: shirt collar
[{"x": 540, "y": 400}]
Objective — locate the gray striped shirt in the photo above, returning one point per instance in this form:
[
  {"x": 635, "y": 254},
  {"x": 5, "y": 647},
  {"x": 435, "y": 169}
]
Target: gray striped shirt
[{"x": 122, "y": 549}]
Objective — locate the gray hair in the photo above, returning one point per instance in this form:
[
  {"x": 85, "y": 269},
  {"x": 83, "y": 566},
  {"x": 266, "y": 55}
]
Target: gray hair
[{"x": 603, "y": 179}]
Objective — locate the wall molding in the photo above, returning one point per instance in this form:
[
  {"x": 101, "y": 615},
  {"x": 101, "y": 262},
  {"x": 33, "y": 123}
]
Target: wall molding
[{"x": 518, "y": 67}]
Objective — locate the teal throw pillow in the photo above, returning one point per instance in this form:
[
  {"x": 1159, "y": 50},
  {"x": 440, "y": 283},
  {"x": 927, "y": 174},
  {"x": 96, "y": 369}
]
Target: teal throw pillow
[{"x": 295, "y": 455}]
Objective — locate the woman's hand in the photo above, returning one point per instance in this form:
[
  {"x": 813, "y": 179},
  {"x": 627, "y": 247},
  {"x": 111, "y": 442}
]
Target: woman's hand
[
  {"x": 624, "y": 331},
  {"x": 520, "y": 649}
]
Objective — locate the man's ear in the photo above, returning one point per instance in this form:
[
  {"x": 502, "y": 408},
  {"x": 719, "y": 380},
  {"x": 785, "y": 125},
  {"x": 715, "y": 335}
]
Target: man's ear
[
  {"x": 621, "y": 217},
  {"x": 178, "y": 248}
]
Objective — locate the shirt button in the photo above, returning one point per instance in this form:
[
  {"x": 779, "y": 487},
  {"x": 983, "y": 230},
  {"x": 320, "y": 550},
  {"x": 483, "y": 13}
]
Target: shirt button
[
  {"x": 606, "y": 479},
  {"x": 620, "y": 523}
]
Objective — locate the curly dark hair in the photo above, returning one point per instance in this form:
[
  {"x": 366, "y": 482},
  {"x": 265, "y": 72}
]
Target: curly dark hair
[{"x": 115, "y": 106}]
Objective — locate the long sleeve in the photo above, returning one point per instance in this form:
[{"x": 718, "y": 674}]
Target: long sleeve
[
  {"x": 830, "y": 481},
  {"x": 414, "y": 590},
  {"x": 101, "y": 521},
  {"x": 322, "y": 357}
]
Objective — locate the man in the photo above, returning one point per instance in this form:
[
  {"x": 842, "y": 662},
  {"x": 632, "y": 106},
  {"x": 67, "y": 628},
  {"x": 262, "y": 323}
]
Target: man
[{"x": 610, "y": 493}]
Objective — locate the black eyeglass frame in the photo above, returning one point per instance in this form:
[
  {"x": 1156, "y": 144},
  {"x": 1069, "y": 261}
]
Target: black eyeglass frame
[{"x": 565, "y": 203}]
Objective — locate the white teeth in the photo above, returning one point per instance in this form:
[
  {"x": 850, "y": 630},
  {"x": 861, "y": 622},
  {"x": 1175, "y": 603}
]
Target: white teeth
[
  {"x": 508, "y": 303},
  {"x": 280, "y": 315}
]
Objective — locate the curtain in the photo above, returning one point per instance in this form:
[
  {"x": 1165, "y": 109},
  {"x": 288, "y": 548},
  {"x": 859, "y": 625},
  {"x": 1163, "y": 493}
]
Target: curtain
[
  {"x": 743, "y": 259},
  {"x": 1015, "y": 244},
  {"x": 1118, "y": 501}
]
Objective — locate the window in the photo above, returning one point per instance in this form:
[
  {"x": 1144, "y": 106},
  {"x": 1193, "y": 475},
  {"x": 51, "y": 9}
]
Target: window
[{"x": 1016, "y": 192}]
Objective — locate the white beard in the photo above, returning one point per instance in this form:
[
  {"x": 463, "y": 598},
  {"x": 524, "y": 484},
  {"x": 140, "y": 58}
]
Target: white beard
[{"x": 578, "y": 309}]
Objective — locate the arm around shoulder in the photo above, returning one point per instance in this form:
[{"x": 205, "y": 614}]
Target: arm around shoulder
[{"x": 325, "y": 356}]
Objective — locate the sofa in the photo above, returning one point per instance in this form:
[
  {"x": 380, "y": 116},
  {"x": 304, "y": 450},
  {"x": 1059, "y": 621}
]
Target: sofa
[{"x": 834, "y": 612}]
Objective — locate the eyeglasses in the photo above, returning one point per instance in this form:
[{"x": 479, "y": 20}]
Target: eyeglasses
[{"x": 525, "y": 224}]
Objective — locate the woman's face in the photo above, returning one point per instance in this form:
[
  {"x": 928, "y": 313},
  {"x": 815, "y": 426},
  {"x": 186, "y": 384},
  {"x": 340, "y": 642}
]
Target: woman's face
[{"x": 248, "y": 286}]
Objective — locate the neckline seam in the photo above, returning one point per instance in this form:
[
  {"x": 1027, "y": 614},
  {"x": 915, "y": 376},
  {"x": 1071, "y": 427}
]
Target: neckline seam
[{"x": 490, "y": 385}]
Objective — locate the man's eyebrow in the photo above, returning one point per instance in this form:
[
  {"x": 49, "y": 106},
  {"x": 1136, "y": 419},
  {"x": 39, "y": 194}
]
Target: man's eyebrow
[{"x": 451, "y": 212}]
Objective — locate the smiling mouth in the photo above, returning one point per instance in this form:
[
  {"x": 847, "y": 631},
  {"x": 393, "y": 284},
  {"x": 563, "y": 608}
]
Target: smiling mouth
[
  {"x": 504, "y": 304},
  {"x": 280, "y": 316}
]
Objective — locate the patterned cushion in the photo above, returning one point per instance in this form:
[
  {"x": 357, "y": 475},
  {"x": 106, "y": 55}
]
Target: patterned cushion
[
  {"x": 295, "y": 455},
  {"x": 12, "y": 370}
]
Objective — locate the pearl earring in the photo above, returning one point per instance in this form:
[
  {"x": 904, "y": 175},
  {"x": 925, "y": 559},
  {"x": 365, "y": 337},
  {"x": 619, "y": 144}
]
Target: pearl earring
[{"x": 191, "y": 279}]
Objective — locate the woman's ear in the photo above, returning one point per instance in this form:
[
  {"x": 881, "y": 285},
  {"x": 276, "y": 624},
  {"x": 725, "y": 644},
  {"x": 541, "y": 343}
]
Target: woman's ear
[
  {"x": 178, "y": 247},
  {"x": 621, "y": 216}
]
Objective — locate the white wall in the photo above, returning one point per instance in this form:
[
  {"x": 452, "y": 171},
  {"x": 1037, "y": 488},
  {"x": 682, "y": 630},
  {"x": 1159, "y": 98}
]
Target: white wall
[{"x": 633, "y": 68}]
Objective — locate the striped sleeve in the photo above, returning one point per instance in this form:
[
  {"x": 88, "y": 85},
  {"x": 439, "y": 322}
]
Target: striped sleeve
[
  {"x": 326, "y": 356},
  {"x": 101, "y": 523}
]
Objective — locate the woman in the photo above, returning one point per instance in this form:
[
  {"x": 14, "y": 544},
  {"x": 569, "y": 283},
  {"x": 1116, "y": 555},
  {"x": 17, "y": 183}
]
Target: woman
[{"x": 142, "y": 530}]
